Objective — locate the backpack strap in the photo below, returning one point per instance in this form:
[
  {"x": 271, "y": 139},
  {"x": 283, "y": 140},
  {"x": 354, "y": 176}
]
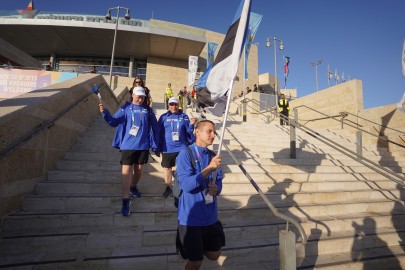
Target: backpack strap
[{"x": 190, "y": 152}]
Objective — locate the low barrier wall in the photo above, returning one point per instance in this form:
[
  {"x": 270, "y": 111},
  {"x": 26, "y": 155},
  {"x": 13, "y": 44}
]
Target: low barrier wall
[{"x": 22, "y": 168}]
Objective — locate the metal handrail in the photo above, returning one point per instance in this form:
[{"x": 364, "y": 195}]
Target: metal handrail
[
  {"x": 344, "y": 114},
  {"x": 365, "y": 119},
  {"x": 261, "y": 193},
  {"x": 40, "y": 128},
  {"x": 349, "y": 153},
  {"x": 47, "y": 124},
  {"x": 266, "y": 200}
]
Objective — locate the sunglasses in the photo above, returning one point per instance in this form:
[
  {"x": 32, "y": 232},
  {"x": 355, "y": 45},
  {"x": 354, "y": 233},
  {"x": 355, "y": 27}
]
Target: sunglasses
[
  {"x": 137, "y": 81},
  {"x": 173, "y": 104}
]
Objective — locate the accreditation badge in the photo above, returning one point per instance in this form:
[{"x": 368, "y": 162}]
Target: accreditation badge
[
  {"x": 134, "y": 130},
  {"x": 208, "y": 198},
  {"x": 175, "y": 136}
]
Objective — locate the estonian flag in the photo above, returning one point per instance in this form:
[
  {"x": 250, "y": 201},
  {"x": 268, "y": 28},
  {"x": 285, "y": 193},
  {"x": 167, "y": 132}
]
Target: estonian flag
[{"x": 215, "y": 82}]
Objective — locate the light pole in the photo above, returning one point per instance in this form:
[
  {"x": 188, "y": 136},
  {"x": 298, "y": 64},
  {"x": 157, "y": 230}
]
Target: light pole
[
  {"x": 108, "y": 17},
  {"x": 268, "y": 44},
  {"x": 315, "y": 64}
]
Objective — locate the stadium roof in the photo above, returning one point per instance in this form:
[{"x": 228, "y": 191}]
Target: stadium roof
[{"x": 89, "y": 35}]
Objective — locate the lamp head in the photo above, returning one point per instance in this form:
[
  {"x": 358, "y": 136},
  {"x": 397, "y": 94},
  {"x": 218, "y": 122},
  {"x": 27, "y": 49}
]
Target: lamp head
[
  {"x": 281, "y": 46},
  {"x": 268, "y": 44},
  {"x": 108, "y": 15},
  {"x": 127, "y": 16}
]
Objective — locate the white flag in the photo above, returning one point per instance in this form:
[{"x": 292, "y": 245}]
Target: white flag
[
  {"x": 401, "y": 103},
  {"x": 192, "y": 69}
]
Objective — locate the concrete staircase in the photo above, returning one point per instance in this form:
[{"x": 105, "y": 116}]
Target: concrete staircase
[{"x": 354, "y": 218}]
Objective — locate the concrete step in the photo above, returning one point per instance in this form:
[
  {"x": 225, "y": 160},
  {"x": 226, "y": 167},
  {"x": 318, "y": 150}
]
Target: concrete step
[
  {"x": 246, "y": 159},
  {"x": 164, "y": 213},
  {"x": 273, "y": 177},
  {"x": 73, "y": 219},
  {"x": 72, "y": 165},
  {"x": 98, "y": 247},
  {"x": 163, "y": 235},
  {"x": 155, "y": 185}
]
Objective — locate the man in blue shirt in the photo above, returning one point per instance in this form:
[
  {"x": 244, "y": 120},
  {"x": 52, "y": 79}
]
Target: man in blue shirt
[
  {"x": 175, "y": 133},
  {"x": 134, "y": 137},
  {"x": 200, "y": 231}
]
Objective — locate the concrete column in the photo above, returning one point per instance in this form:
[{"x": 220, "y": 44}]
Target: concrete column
[
  {"x": 131, "y": 66},
  {"x": 359, "y": 143},
  {"x": 244, "y": 113},
  {"x": 293, "y": 136},
  {"x": 52, "y": 60},
  {"x": 288, "y": 255},
  {"x": 293, "y": 147}
]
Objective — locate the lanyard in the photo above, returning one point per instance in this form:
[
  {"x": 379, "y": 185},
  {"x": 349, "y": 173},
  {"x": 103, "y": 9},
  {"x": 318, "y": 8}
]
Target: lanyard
[
  {"x": 133, "y": 117},
  {"x": 171, "y": 123},
  {"x": 199, "y": 161}
]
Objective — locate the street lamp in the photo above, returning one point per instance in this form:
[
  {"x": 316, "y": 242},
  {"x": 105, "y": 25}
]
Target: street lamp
[
  {"x": 315, "y": 64},
  {"x": 268, "y": 44},
  {"x": 108, "y": 17}
]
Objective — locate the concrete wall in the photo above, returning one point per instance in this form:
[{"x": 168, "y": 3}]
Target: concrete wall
[
  {"x": 388, "y": 116},
  {"x": 17, "y": 56},
  {"x": 161, "y": 71},
  {"x": 347, "y": 96},
  {"x": 21, "y": 169}
]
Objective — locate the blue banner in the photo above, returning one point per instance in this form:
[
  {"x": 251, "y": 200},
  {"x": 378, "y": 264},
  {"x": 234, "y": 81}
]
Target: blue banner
[{"x": 254, "y": 23}]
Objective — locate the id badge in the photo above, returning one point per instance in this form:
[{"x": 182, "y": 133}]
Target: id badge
[
  {"x": 134, "y": 130},
  {"x": 175, "y": 136},
  {"x": 208, "y": 198}
]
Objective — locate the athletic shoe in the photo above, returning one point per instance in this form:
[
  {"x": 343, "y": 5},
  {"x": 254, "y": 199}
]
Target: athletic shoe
[
  {"x": 167, "y": 192},
  {"x": 126, "y": 207},
  {"x": 135, "y": 192}
]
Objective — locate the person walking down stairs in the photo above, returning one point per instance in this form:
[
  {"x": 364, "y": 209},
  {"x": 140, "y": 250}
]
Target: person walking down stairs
[
  {"x": 176, "y": 132},
  {"x": 200, "y": 233},
  {"x": 136, "y": 130}
]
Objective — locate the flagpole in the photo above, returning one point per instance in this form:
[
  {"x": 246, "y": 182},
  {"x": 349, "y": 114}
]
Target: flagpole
[{"x": 228, "y": 102}]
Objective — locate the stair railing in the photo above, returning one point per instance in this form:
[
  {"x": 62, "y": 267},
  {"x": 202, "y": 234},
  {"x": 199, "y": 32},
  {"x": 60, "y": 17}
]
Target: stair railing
[
  {"x": 266, "y": 200},
  {"x": 274, "y": 210},
  {"x": 293, "y": 122},
  {"x": 287, "y": 239},
  {"x": 344, "y": 121},
  {"x": 270, "y": 112},
  {"x": 46, "y": 124},
  {"x": 376, "y": 124}
]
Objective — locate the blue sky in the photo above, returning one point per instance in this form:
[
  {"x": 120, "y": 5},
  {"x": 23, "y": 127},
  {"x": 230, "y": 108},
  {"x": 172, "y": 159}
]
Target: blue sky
[{"x": 360, "y": 38}]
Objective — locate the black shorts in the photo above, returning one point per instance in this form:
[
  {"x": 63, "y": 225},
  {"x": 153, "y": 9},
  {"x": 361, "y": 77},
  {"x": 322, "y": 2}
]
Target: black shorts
[
  {"x": 197, "y": 239},
  {"x": 169, "y": 159},
  {"x": 130, "y": 157}
]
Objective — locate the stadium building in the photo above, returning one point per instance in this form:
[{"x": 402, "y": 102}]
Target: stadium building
[{"x": 154, "y": 49}]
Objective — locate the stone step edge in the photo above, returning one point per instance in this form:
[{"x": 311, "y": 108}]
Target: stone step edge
[
  {"x": 165, "y": 227},
  {"x": 72, "y": 258},
  {"x": 227, "y": 195},
  {"x": 172, "y": 209}
]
